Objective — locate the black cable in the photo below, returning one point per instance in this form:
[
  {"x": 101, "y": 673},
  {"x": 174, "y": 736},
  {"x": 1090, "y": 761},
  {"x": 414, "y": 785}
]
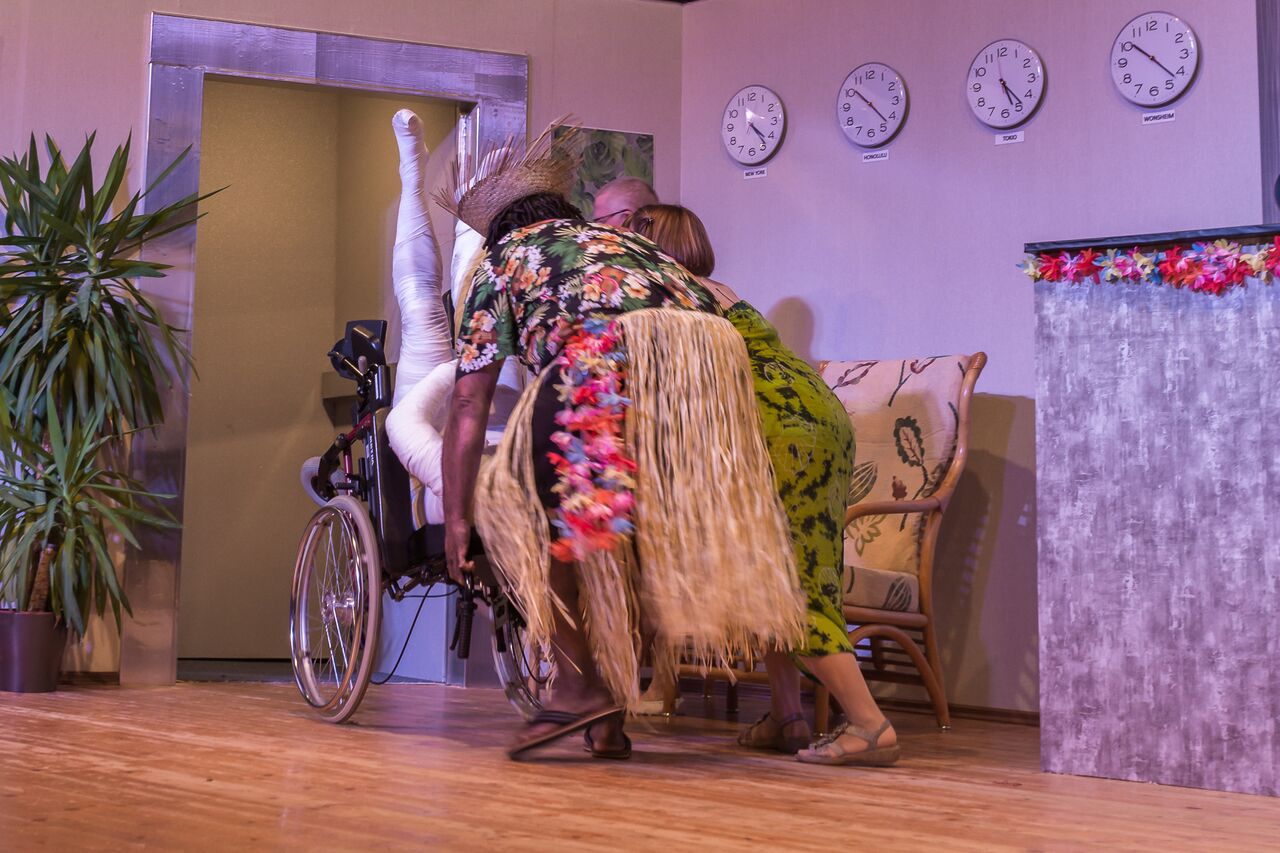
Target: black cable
[{"x": 422, "y": 599}]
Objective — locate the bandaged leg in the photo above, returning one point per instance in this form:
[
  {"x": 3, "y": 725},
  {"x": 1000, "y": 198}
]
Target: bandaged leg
[{"x": 415, "y": 265}]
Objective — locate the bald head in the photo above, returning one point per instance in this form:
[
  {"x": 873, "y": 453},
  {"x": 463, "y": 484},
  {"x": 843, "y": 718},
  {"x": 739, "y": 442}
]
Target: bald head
[{"x": 618, "y": 199}]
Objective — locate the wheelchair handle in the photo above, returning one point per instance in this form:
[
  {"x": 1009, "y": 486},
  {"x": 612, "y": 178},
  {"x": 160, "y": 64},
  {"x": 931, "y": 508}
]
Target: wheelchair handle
[{"x": 465, "y": 610}]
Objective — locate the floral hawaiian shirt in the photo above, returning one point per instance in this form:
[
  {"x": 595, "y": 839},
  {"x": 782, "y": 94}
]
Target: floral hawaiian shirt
[{"x": 535, "y": 288}]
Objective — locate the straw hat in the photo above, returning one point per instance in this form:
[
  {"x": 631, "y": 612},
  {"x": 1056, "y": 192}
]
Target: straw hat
[{"x": 512, "y": 171}]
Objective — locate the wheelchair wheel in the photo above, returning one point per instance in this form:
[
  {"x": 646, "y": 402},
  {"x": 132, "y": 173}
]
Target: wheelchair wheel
[
  {"x": 336, "y": 608},
  {"x": 524, "y": 669}
]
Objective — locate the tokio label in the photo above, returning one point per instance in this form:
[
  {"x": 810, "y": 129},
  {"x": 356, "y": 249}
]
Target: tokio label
[
  {"x": 748, "y": 174},
  {"x": 1160, "y": 117},
  {"x": 875, "y": 156},
  {"x": 1010, "y": 138}
]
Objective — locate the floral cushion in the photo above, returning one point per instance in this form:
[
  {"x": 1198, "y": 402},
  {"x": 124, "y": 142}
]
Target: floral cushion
[{"x": 905, "y": 418}]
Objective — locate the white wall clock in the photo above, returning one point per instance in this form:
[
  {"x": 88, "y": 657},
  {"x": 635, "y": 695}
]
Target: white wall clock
[
  {"x": 1005, "y": 85},
  {"x": 872, "y": 105},
  {"x": 1154, "y": 59},
  {"x": 753, "y": 125}
]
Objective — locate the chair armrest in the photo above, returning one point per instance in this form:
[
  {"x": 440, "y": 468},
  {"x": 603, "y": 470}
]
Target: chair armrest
[{"x": 890, "y": 508}]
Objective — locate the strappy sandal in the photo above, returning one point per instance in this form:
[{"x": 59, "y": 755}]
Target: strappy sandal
[
  {"x": 753, "y": 738},
  {"x": 566, "y": 724},
  {"x": 622, "y": 753},
  {"x": 828, "y": 751}
]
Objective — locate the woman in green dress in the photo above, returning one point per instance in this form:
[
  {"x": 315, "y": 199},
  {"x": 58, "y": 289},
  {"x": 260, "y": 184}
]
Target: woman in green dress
[{"x": 810, "y": 443}]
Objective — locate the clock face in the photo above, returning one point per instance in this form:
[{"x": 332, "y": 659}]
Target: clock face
[
  {"x": 872, "y": 105},
  {"x": 753, "y": 125},
  {"x": 1005, "y": 84},
  {"x": 1154, "y": 59}
]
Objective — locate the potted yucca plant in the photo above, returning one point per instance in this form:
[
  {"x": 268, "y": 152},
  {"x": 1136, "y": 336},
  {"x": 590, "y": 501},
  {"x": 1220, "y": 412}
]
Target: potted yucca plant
[{"x": 84, "y": 357}]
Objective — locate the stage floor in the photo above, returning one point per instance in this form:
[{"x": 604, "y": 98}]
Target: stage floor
[{"x": 244, "y": 766}]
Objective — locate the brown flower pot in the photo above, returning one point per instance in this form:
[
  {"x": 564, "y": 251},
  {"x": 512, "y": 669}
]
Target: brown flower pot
[{"x": 31, "y": 647}]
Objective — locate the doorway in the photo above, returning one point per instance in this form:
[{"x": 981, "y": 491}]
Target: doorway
[
  {"x": 297, "y": 242},
  {"x": 267, "y": 316}
]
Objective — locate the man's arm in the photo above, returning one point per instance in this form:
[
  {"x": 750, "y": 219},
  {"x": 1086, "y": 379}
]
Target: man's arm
[{"x": 463, "y": 446}]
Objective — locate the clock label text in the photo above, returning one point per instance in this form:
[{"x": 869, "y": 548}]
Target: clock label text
[
  {"x": 1160, "y": 117},
  {"x": 875, "y": 156},
  {"x": 1011, "y": 138},
  {"x": 748, "y": 174}
]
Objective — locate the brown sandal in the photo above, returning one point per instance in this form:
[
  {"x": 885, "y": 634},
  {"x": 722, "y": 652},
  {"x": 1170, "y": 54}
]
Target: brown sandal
[
  {"x": 828, "y": 751},
  {"x": 753, "y": 738}
]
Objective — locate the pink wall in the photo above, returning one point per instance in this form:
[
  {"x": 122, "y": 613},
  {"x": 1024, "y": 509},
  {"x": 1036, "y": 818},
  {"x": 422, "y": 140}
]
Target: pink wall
[
  {"x": 917, "y": 255},
  {"x": 69, "y": 66}
]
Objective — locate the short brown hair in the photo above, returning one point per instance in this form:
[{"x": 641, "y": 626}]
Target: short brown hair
[{"x": 679, "y": 232}]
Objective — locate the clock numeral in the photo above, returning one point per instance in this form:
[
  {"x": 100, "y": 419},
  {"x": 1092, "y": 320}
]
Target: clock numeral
[
  {"x": 980, "y": 71},
  {"x": 1128, "y": 78},
  {"x": 1123, "y": 61},
  {"x": 897, "y": 99},
  {"x": 977, "y": 87},
  {"x": 1152, "y": 25},
  {"x": 846, "y": 106},
  {"x": 1032, "y": 77},
  {"x": 848, "y": 122},
  {"x": 771, "y": 107},
  {"x": 982, "y": 102},
  {"x": 729, "y": 127},
  {"x": 849, "y": 93},
  {"x": 1182, "y": 71},
  {"x": 1184, "y": 54},
  {"x": 774, "y": 120},
  {"x": 1026, "y": 63},
  {"x": 1017, "y": 108},
  {"x": 1178, "y": 39},
  {"x": 1168, "y": 84},
  {"x": 1029, "y": 96},
  {"x": 733, "y": 140},
  {"x": 1155, "y": 91},
  {"x": 751, "y": 96},
  {"x": 892, "y": 85},
  {"x": 733, "y": 113},
  {"x": 1002, "y": 52}
]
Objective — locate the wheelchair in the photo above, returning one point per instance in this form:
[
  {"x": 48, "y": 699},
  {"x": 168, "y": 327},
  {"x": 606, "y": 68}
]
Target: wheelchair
[{"x": 362, "y": 544}]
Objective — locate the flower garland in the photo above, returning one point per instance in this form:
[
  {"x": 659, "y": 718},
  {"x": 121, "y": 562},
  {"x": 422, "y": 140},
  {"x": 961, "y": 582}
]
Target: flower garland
[
  {"x": 595, "y": 481},
  {"x": 1212, "y": 268}
]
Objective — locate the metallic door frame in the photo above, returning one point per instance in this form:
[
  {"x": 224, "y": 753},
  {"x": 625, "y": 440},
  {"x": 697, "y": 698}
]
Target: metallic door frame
[{"x": 183, "y": 51}]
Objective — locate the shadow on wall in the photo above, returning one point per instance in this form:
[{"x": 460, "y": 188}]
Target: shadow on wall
[
  {"x": 793, "y": 318},
  {"x": 985, "y": 576}
]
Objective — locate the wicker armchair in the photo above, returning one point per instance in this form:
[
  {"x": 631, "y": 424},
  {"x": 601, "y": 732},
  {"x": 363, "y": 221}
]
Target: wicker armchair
[{"x": 911, "y": 425}]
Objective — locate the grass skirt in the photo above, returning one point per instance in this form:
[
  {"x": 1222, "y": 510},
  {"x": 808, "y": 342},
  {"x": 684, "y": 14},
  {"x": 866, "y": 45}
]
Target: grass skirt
[{"x": 709, "y": 566}]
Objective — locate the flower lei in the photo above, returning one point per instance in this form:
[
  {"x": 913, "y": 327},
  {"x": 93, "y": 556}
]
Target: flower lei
[
  {"x": 595, "y": 481},
  {"x": 1211, "y": 268}
]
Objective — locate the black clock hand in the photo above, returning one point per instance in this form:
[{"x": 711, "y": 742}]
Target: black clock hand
[
  {"x": 1152, "y": 58},
  {"x": 868, "y": 103},
  {"x": 1008, "y": 93},
  {"x": 757, "y": 130}
]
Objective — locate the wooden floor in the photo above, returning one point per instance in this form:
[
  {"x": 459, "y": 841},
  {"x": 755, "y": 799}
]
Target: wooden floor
[{"x": 244, "y": 766}]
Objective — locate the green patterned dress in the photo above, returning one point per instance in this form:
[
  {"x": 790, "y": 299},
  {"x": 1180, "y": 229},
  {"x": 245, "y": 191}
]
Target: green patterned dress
[{"x": 810, "y": 442}]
